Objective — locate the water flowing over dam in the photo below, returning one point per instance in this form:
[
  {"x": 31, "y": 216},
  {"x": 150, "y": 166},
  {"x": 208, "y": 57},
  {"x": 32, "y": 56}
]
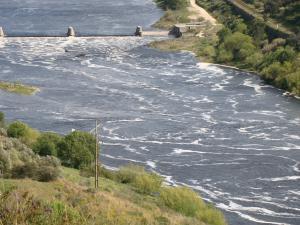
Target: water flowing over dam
[{"x": 220, "y": 131}]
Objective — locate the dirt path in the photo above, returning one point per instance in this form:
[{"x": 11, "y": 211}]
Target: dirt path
[{"x": 198, "y": 12}]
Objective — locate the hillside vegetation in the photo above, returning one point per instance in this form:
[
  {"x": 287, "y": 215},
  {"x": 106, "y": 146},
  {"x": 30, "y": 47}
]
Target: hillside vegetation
[
  {"x": 248, "y": 43},
  {"x": 36, "y": 190}
]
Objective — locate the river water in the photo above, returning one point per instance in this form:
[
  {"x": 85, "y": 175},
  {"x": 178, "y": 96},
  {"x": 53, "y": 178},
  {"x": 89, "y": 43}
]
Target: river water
[{"x": 220, "y": 131}]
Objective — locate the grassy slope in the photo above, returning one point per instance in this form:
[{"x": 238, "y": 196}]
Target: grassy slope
[
  {"x": 114, "y": 203},
  {"x": 18, "y": 88}
]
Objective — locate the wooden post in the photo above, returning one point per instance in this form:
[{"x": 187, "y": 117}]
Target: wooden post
[{"x": 96, "y": 156}]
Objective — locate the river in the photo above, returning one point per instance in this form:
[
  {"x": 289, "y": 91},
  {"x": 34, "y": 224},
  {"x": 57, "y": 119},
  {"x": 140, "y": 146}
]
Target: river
[{"x": 220, "y": 131}]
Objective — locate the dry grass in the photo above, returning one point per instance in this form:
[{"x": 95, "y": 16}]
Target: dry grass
[{"x": 114, "y": 203}]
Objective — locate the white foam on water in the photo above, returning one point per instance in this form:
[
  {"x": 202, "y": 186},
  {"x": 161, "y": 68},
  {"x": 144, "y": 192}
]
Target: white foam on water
[
  {"x": 276, "y": 179},
  {"x": 151, "y": 164},
  {"x": 257, "y": 88},
  {"x": 211, "y": 68}
]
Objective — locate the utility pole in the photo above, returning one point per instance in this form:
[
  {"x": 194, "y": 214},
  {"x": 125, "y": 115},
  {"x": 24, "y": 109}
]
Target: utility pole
[{"x": 96, "y": 156}]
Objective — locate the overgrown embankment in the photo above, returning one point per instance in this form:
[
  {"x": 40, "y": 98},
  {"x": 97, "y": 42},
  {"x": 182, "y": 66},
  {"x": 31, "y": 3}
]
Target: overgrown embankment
[
  {"x": 35, "y": 189},
  {"x": 245, "y": 44}
]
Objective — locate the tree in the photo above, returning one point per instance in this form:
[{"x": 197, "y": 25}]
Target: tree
[
  {"x": 47, "y": 144},
  {"x": 77, "y": 149},
  {"x": 240, "y": 45},
  {"x": 271, "y": 7},
  {"x": 257, "y": 31}
]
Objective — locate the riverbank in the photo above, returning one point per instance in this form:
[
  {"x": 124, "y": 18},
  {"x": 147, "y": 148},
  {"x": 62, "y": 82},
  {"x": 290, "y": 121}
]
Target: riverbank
[
  {"x": 232, "y": 45},
  {"x": 50, "y": 182},
  {"x": 18, "y": 88}
]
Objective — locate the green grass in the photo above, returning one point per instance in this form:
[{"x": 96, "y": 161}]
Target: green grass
[
  {"x": 18, "y": 88},
  {"x": 172, "y": 17}
]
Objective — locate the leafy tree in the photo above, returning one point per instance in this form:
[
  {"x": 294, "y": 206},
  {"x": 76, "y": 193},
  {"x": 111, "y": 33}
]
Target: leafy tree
[
  {"x": 47, "y": 144},
  {"x": 271, "y": 7},
  {"x": 239, "y": 45},
  {"x": 257, "y": 31},
  {"x": 77, "y": 149}
]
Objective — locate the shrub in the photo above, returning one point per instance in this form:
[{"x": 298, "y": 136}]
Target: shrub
[
  {"x": 17, "y": 129},
  {"x": 45, "y": 170},
  {"x": 77, "y": 149},
  {"x": 147, "y": 183},
  {"x": 22, "y": 131},
  {"x": 212, "y": 216},
  {"x": 172, "y": 4},
  {"x": 127, "y": 174},
  {"x": 47, "y": 144},
  {"x": 182, "y": 199},
  {"x": 144, "y": 182},
  {"x": 188, "y": 203}
]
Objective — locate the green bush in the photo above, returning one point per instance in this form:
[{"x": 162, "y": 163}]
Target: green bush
[
  {"x": 144, "y": 182},
  {"x": 77, "y": 149},
  {"x": 182, "y": 199},
  {"x": 188, "y": 203},
  {"x": 47, "y": 144},
  {"x": 127, "y": 174},
  {"x": 147, "y": 183},
  {"x": 22, "y": 131},
  {"x": 172, "y": 4},
  {"x": 17, "y": 129},
  {"x": 212, "y": 216}
]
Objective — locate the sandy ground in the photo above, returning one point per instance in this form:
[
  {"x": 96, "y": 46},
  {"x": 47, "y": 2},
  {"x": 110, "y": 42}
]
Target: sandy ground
[{"x": 198, "y": 12}]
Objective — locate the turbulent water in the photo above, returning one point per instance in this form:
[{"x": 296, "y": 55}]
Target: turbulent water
[{"x": 220, "y": 131}]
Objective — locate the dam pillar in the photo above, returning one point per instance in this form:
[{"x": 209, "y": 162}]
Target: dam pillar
[
  {"x": 1, "y": 32},
  {"x": 139, "y": 31},
  {"x": 71, "y": 32}
]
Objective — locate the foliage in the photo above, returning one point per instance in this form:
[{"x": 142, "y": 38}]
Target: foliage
[
  {"x": 182, "y": 200},
  {"x": 2, "y": 119},
  {"x": 44, "y": 170},
  {"x": 188, "y": 202},
  {"x": 144, "y": 182},
  {"x": 22, "y": 131},
  {"x": 77, "y": 149},
  {"x": 19, "y": 161},
  {"x": 236, "y": 47},
  {"x": 47, "y": 144},
  {"x": 172, "y": 4}
]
